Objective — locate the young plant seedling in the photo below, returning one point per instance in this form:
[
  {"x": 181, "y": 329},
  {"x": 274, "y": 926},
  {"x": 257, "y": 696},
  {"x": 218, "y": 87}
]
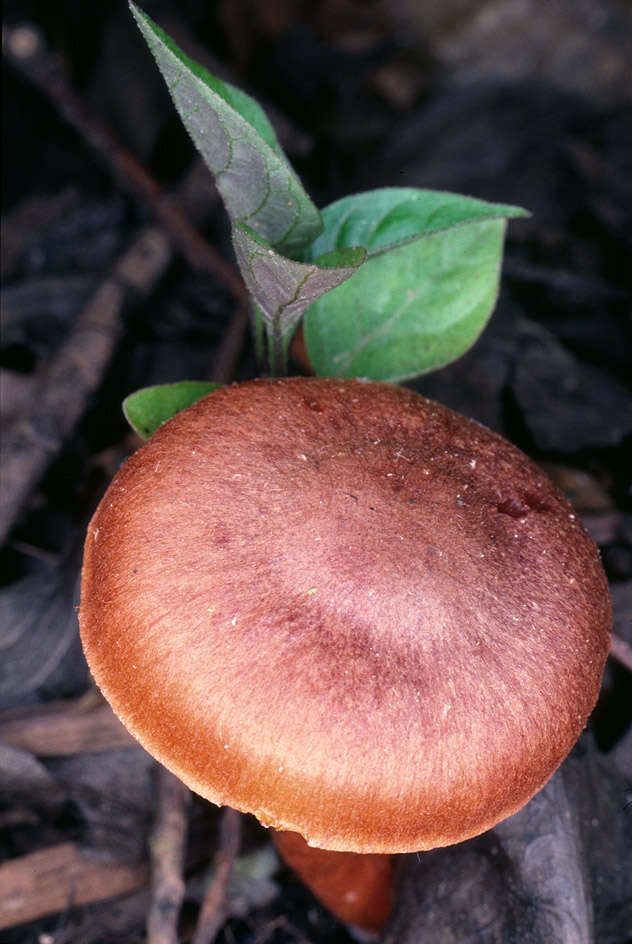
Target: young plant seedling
[
  {"x": 326, "y": 600},
  {"x": 389, "y": 284}
]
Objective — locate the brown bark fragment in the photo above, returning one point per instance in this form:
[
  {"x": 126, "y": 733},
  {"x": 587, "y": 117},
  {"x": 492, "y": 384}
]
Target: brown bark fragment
[
  {"x": 59, "y": 877},
  {"x": 59, "y": 732}
]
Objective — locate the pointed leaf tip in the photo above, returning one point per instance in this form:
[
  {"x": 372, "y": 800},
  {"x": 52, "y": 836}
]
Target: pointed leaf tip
[
  {"x": 426, "y": 291},
  {"x": 235, "y": 138}
]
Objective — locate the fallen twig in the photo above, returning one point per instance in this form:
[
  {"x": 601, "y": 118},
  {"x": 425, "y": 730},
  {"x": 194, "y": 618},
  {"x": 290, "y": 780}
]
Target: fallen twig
[
  {"x": 282, "y": 923},
  {"x": 33, "y": 440},
  {"x": 60, "y": 729},
  {"x": 26, "y": 51},
  {"x": 167, "y": 848},
  {"x": 62, "y": 876},
  {"x": 74, "y": 374},
  {"x": 214, "y": 909}
]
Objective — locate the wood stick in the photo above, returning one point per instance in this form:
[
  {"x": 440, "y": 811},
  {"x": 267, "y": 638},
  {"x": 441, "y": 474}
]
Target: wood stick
[
  {"x": 167, "y": 851},
  {"x": 62, "y": 876},
  {"x": 59, "y": 732},
  {"x": 27, "y": 53},
  {"x": 32, "y": 441},
  {"x": 214, "y": 909},
  {"x": 75, "y": 372}
]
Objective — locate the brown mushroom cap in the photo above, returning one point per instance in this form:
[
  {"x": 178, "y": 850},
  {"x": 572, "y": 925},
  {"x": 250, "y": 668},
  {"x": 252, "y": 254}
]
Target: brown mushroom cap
[{"x": 345, "y": 609}]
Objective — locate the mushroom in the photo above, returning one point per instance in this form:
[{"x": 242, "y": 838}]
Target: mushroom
[
  {"x": 356, "y": 887},
  {"x": 347, "y": 610}
]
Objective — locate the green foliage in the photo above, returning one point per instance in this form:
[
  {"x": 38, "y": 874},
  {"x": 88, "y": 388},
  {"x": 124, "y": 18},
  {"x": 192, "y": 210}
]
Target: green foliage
[
  {"x": 235, "y": 138},
  {"x": 147, "y": 409},
  {"x": 425, "y": 292},
  {"x": 283, "y": 288},
  {"x": 389, "y": 284}
]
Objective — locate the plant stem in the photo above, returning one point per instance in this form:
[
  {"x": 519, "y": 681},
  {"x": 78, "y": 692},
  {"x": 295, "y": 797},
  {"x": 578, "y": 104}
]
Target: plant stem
[
  {"x": 277, "y": 350},
  {"x": 259, "y": 335}
]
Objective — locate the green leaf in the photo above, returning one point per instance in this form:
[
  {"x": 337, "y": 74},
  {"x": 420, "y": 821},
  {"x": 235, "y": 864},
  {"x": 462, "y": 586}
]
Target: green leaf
[
  {"x": 381, "y": 219},
  {"x": 147, "y": 409},
  {"x": 237, "y": 142},
  {"x": 283, "y": 288},
  {"x": 425, "y": 292}
]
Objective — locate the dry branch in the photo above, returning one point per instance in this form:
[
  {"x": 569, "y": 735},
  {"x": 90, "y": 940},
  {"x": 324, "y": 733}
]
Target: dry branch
[
  {"x": 65, "y": 729},
  {"x": 62, "y": 876},
  {"x": 76, "y": 371},
  {"x": 215, "y": 907},
  {"x": 25, "y": 49},
  {"x": 167, "y": 847}
]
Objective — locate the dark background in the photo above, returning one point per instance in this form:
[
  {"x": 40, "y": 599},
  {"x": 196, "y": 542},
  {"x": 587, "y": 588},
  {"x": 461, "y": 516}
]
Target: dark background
[{"x": 519, "y": 102}]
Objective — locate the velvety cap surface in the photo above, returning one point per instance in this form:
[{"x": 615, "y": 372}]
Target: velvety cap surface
[{"x": 347, "y": 610}]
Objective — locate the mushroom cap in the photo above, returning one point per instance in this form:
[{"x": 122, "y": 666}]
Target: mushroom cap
[{"x": 346, "y": 609}]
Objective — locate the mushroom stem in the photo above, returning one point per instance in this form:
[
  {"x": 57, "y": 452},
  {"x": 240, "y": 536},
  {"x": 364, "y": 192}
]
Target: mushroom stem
[{"x": 357, "y": 888}]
